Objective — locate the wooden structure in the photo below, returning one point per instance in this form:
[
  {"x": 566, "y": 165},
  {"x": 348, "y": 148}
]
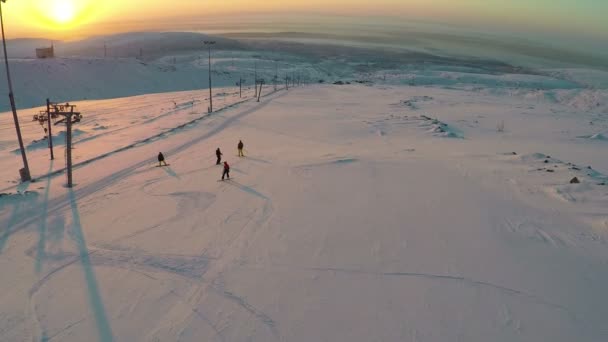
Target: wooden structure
[{"x": 45, "y": 52}]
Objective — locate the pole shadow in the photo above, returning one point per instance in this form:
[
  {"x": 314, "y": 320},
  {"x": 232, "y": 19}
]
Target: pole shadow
[
  {"x": 15, "y": 216},
  {"x": 101, "y": 319},
  {"x": 42, "y": 227}
]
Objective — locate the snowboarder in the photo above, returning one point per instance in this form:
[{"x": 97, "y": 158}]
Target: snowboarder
[
  {"x": 219, "y": 154},
  {"x": 240, "y": 147},
  {"x": 161, "y": 160},
  {"x": 226, "y": 171}
]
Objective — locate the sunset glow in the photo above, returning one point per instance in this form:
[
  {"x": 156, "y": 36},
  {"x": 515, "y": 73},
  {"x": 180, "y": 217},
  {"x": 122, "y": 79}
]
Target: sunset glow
[
  {"x": 62, "y": 11},
  {"x": 65, "y": 19}
]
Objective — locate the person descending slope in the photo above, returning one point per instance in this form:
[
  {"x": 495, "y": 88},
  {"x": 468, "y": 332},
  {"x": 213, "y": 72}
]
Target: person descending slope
[
  {"x": 240, "y": 147},
  {"x": 219, "y": 154},
  {"x": 161, "y": 159},
  {"x": 226, "y": 171}
]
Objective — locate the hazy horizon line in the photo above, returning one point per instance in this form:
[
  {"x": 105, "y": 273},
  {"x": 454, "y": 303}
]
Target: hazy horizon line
[{"x": 227, "y": 21}]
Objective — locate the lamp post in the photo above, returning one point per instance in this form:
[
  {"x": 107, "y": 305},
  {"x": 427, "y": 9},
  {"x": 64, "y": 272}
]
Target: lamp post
[
  {"x": 25, "y": 174},
  {"x": 276, "y": 74},
  {"x": 209, "y": 43},
  {"x": 255, "y": 78}
]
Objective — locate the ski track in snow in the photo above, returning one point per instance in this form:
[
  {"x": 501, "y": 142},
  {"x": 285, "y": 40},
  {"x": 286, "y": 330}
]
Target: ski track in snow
[{"x": 429, "y": 276}]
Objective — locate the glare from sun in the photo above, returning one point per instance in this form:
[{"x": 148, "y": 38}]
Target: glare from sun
[{"x": 62, "y": 11}]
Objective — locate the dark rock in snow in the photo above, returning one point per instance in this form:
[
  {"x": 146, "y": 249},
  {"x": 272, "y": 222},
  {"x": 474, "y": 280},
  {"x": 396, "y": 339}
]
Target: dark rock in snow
[{"x": 575, "y": 181}]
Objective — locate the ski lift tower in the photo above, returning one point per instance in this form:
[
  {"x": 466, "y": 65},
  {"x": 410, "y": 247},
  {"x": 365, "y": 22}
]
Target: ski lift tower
[{"x": 71, "y": 116}]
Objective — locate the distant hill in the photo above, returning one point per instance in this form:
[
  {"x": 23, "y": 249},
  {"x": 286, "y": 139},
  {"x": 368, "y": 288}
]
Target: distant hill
[{"x": 152, "y": 44}]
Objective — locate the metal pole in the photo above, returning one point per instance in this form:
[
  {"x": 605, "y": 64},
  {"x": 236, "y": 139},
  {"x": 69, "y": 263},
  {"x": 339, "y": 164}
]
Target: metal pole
[
  {"x": 69, "y": 146},
  {"x": 276, "y": 74},
  {"x": 210, "y": 91},
  {"x": 260, "y": 92},
  {"x": 240, "y": 86},
  {"x": 256, "y": 78},
  {"x": 25, "y": 176},
  {"x": 207, "y": 42},
  {"x": 48, "y": 112}
]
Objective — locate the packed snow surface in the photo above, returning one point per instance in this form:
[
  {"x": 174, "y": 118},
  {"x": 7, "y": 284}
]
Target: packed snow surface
[{"x": 370, "y": 212}]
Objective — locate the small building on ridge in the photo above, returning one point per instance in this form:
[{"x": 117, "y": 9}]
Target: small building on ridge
[{"x": 45, "y": 52}]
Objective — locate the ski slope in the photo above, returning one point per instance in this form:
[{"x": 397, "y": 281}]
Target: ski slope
[{"x": 355, "y": 216}]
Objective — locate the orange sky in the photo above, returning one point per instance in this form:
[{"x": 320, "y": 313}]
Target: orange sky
[{"x": 47, "y": 18}]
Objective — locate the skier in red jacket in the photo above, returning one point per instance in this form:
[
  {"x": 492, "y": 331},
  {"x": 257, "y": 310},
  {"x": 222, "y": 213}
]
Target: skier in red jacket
[{"x": 226, "y": 171}]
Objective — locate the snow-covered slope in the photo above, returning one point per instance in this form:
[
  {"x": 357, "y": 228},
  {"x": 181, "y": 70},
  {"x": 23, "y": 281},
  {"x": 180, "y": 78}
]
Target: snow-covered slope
[
  {"x": 351, "y": 218},
  {"x": 65, "y": 79}
]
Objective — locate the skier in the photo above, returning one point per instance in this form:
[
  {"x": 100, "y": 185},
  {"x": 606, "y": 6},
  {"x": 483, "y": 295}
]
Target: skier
[
  {"x": 240, "y": 147},
  {"x": 161, "y": 160},
  {"x": 226, "y": 171},
  {"x": 218, "y": 153}
]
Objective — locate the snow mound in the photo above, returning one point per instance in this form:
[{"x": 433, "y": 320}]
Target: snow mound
[
  {"x": 338, "y": 161},
  {"x": 442, "y": 130},
  {"x": 571, "y": 192},
  {"x": 413, "y": 103},
  {"x": 556, "y": 178},
  {"x": 345, "y": 161},
  {"x": 585, "y": 100},
  {"x": 596, "y": 136},
  {"x": 540, "y": 158},
  {"x": 438, "y": 128}
]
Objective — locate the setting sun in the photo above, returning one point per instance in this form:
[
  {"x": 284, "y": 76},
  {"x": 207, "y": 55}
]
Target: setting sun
[{"x": 62, "y": 11}]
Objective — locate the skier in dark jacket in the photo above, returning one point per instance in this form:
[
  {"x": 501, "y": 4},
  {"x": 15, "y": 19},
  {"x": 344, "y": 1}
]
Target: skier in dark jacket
[
  {"x": 219, "y": 154},
  {"x": 226, "y": 171},
  {"x": 240, "y": 147},
  {"x": 161, "y": 159}
]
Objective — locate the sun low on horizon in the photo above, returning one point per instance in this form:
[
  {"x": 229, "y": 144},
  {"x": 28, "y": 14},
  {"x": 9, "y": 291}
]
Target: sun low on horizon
[
  {"x": 62, "y": 12},
  {"x": 50, "y": 17}
]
